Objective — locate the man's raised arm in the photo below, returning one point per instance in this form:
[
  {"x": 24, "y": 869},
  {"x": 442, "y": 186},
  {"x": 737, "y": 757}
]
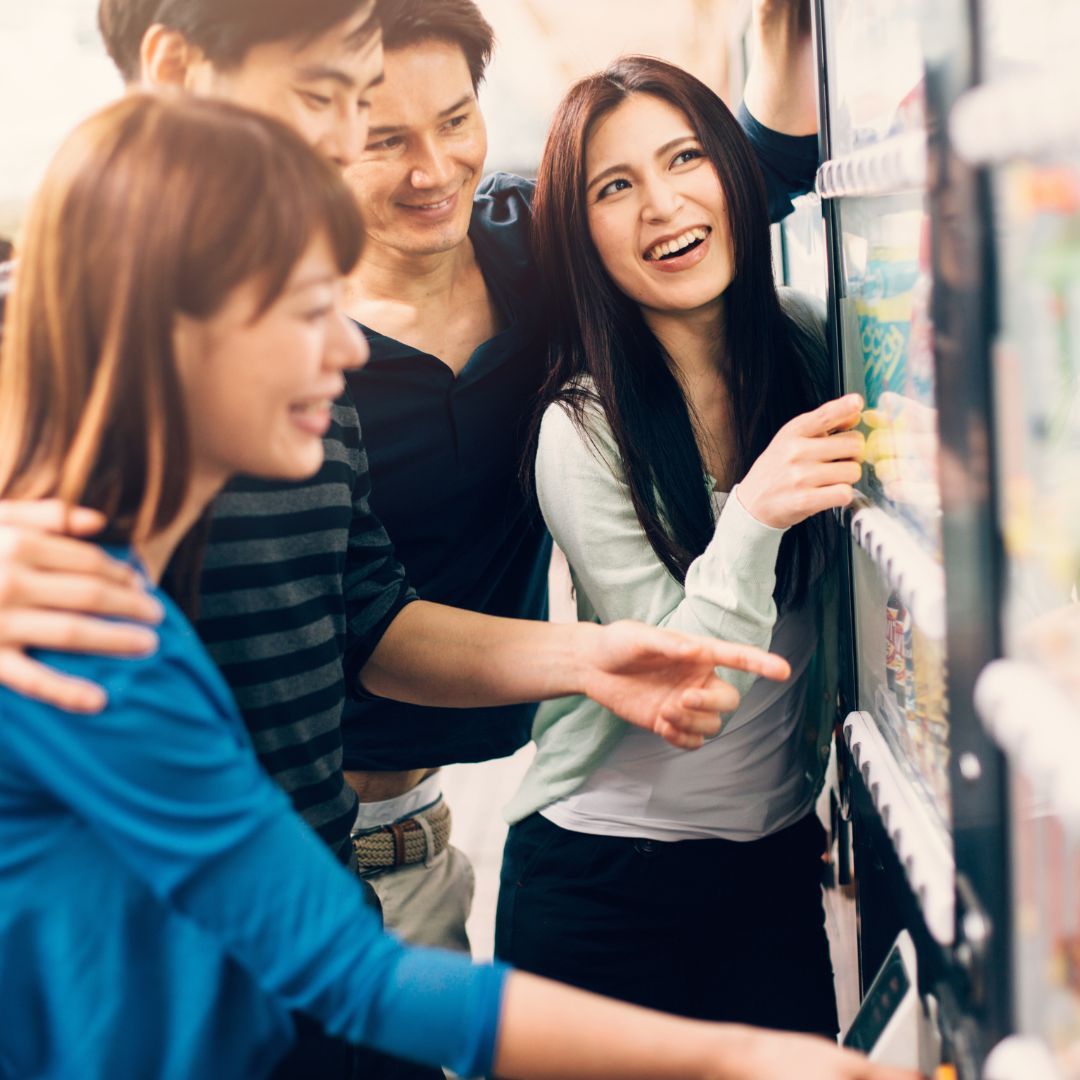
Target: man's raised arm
[{"x": 781, "y": 88}]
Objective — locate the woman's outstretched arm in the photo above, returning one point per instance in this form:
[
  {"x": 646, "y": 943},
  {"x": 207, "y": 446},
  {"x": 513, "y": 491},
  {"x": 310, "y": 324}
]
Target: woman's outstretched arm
[
  {"x": 781, "y": 87},
  {"x": 552, "y": 1032}
]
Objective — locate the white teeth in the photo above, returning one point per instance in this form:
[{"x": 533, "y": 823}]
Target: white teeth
[{"x": 669, "y": 247}]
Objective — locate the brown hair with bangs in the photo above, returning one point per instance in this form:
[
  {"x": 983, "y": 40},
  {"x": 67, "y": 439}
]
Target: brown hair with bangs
[{"x": 152, "y": 208}]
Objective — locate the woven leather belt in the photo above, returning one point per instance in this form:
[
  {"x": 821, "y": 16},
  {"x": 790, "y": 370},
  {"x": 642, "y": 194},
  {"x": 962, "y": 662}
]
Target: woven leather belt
[{"x": 413, "y": 840}]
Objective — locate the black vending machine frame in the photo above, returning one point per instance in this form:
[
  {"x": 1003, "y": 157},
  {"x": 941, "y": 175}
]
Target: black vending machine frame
[{"x": 971, "y": 979}]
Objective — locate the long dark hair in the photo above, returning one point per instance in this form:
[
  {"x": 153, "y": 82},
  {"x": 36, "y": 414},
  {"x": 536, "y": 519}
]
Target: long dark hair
[{"x": 595, "y": 330}]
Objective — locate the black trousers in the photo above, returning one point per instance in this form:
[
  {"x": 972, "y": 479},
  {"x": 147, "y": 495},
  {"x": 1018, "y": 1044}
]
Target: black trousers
[{"x": 712, "y": 929}]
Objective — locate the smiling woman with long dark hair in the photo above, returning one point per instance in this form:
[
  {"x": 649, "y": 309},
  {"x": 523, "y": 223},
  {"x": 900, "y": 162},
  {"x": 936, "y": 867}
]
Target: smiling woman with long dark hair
[{"x": 684, "y": 457}]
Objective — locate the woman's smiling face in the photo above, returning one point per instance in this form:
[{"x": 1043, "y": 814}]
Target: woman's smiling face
[
  {"x": 260, "y": 385},
  {"x": 656, "y": 208}
]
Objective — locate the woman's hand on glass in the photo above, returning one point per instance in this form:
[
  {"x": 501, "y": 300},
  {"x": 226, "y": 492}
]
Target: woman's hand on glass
[{"x": 812, "y": 464}]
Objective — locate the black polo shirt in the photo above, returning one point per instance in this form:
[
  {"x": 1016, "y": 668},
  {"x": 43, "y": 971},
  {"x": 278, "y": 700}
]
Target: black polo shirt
[{"x": 444, "y": 453}]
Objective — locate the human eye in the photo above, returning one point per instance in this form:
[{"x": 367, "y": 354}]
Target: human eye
[
  {"x": 317, "y": 305},
  {"x": 612, "y": 188},
  {"x": 684, "y": 157},
  {"x": 391, "y": 142},
  {"x": 317, "y": 314},
  {"x": 457, "y": 121},
  {"x": 313, "y": 99}
]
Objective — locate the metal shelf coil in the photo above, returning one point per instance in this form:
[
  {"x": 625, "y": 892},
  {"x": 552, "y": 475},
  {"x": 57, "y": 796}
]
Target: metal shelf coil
[
  {"x": 889, "y": 167},
  {"x": 920, "y": 842},
  {"x": 916, "y": 577}
]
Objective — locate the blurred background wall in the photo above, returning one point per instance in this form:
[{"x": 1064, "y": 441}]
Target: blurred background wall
[{"x": 54, "y": 71}]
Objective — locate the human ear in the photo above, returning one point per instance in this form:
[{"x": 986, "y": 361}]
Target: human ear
[
  {"x": 169, "y": 59},
  {"x": 190, "y": 344}
]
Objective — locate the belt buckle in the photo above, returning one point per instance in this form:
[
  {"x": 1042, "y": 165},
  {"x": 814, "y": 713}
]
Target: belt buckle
[{"x": 398, "y": 833}]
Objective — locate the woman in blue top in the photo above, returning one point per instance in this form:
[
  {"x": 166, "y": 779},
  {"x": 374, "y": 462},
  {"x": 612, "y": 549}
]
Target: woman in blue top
[
  {"x": 163, "y": 912},
  {"x": 684, "y": 456}
]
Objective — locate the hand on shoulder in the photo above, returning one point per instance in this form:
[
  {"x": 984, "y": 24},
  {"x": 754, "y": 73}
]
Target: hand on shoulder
[{"x": 63, "y": 592}]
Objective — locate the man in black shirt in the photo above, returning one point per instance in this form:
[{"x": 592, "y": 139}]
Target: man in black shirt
[{"x": 445, "y": 293}]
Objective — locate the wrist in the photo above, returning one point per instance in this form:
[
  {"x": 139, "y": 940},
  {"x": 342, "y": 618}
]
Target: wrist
[
  {"x": 781, "y": 19},
  {"x": 752, "y": 509},
  {"x": 583, "y": 667},
  {"x": 727, "y": 1052}
]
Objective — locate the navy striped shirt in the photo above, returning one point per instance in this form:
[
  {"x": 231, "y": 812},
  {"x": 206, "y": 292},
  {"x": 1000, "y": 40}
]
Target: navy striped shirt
[{"x": 282, "y": 561}]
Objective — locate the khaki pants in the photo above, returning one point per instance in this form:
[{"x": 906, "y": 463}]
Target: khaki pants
[{"x": 428, "y": 905}]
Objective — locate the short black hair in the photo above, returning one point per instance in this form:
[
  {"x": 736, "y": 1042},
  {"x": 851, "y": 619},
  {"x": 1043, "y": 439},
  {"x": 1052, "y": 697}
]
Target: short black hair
[
  {"x": 123, "y": 24},
  {"x": 227, "y": 30},
  {"x": 459, "y": 22}
]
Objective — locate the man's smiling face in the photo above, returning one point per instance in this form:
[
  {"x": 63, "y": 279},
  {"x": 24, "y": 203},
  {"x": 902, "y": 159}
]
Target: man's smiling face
[{"x": 425, "y": 152}]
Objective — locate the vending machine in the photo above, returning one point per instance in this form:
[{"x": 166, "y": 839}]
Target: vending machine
[
  {"x": 1021, "y": 126},
  {"x": 920, "y": 820}
]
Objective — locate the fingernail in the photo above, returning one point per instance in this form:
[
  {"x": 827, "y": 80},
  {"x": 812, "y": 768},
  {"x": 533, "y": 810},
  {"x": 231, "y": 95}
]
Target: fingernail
[
  {"x": 90, "y": 700},
  {"x": 145, "y": 640},
  {"x": 155, "y": 610},
  {"x": 129, "y": 575},
  {"x": 81, "y": 518}
]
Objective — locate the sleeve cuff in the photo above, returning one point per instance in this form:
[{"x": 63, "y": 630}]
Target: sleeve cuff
[
  {"x": 742, "y": 544},
  {"x": 364, "y": 639},
  {"x": 749, "y": 518},
  {"x": 803, "y": 149}
]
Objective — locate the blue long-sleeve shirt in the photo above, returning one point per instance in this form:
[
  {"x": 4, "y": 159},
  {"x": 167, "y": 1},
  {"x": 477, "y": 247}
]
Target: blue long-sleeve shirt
[{"x": 163, "y": 910}]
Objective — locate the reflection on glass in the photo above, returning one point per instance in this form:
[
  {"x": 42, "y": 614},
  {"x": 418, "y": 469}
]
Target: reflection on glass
[
  {"x": 1037, "y": 383},
  {"x": 889, "y": 358},
  {"x": 1037, "y": 365},
  {"x": 1029, "y": 37},
  {"x": 805, "y": 262},
  {"x": 901, "y": 451},
  {"x": 876, "y": 66},
  {"x": 1046, "y": 876}
]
